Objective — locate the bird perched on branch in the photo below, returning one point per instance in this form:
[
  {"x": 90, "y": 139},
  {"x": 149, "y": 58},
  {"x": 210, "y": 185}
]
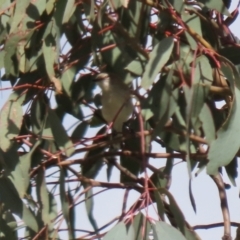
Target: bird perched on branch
[{"x": 117, "y": 104}]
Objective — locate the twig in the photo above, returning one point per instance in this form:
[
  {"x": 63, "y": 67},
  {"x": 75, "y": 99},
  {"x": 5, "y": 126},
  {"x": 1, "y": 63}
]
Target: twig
[{"x": 224, "y": 205}]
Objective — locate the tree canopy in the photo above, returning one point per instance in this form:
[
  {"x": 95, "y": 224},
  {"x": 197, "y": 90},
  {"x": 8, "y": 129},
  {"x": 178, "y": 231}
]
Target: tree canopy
[{"x": 179, "y": 60}]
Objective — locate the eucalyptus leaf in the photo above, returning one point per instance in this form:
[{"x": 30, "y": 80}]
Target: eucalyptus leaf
[{"x": 158, "y": 58}]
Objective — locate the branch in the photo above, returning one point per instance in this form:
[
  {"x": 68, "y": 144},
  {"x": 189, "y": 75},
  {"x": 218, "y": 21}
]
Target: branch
[
  {"x": 224, "y": 206},
  {"x": 214, "y": 225}
]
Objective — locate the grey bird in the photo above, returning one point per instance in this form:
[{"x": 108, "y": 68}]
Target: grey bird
[{"x": 117, "y": 105}]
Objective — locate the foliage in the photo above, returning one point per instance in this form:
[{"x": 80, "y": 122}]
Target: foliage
[{"x": 180, "y": 59}]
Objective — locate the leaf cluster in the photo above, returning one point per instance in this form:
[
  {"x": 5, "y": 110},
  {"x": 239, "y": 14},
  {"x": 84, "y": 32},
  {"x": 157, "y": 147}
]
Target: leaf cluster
[{"x": 180, "y": 60}]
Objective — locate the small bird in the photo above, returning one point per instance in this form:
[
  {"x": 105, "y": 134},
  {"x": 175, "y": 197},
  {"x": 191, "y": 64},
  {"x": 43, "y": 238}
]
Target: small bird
[{"x": 117, "y": 105}]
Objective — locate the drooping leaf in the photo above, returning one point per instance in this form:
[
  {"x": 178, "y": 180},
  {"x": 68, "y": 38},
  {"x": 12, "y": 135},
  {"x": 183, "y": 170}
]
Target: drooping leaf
[
  {"x": 232, "y": 170},
  {"x": 192, "y": 200},
  {"x": 67, "y": 79},
  {"x": 59, "y": 133},
  {"x": 65, "y": 204},
  {"x": 44, "y": 200},
  {"x": 158, "y": 58},
  {"x": 162, "y": 230},
  {"x": 136, "y": 66},
  {"x": 20, "y": 174},
  {"x": 140, "y": 223},
  {"x": 12, "y": 201},
  {"x": 160, "y": 206},
  {"x": 220, "y": 153},
  {"x": 120, "y": 231},
  {"x": 207, "y": 123},
  {"x": 50, "y": 5},
  {"x": 50, "y": 53},
  {"x": 176, "y": 211},
  {"x": 89, "y": 204},
  {"x": 19, "y": 14},
  {"x": 135, "y": 19},
  {"x": 193, "y": 21},
  {"x": 10, "y": 123},
  {"x": 69, "y": 9}
]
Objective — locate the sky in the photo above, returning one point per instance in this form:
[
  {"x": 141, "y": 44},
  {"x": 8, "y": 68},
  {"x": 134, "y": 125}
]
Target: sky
[{"x": 108, "y": 204}]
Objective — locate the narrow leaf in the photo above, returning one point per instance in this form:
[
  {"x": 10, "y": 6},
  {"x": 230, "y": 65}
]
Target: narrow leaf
[
  {"x": 119, "y": 232},
  {"x": 220, "y": 153},
  {"x": 10, "y": 123},
  {"x": 60, "y": 135},
  {"x": 65, "y": 204},
  {"x": 69, "y": 10},
  {"x": 11, "y": 199},
  {"x": 19, "y": 14},
  {"x": 162, "y": 230},
  {"x": 158, "y": 58}
]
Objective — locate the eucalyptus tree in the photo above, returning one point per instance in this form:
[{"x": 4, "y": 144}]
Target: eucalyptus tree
[{"x": 175, "y": 61}]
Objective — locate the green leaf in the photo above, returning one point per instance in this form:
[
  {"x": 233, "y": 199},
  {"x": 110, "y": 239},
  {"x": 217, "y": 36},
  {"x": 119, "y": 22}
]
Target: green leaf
[
  {"x": 69, "y": 10},
  {"x": 10, "y": 123},
  {"x": 20, "y": 174},
  {"x": 136, "y": 66},
  {"x": 220, "y": 153},
  {"x": 135, "y": 18},
  {"x": 208, "y": 126},
  {"x": 38, "y": 114},
  {"x": 119, "y": 232},
  {"x": 50, "y": 5},
  {"x": 2, "y": 54},
  {"x": 162, "y": 230},
  {"x": 65, "y": 204},
  {"x": 192, "y": 200},
  {"x": 158, "y": 58},
  {"x": 12, "y": 201},
  {"x": 19, "y": 14},
  {"x": 53, "y": 213},
  {"x": 10, "y": 61},
  {"x": 67, "y": 80},
  {"x": 175, "y": 210},
  {"x": 232, "y": 171},
  {"x": 116, "y": 58},
  {"x": 40, "y": 5},
  {"x": 115, "y": 4},
  {"x": 162, "y": 101},
  {"x": 140, "y": 223},
  {"x": 44, "y": 200},
  {"x": 60, "y": 134},
  {"x": 193, "y": 21},
  {"x": 89, "y": 204},
  {"x": 160, "y": 206}
]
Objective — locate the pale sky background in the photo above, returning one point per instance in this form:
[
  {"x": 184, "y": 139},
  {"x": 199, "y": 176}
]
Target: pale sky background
[{"x": 109, "y": 203}]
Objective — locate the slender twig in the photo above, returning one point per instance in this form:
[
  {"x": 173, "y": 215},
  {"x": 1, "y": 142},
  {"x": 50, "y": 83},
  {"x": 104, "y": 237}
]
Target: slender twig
[
  {"x": 214, "y": 225},
  {"x": 224, "y": 204}
]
